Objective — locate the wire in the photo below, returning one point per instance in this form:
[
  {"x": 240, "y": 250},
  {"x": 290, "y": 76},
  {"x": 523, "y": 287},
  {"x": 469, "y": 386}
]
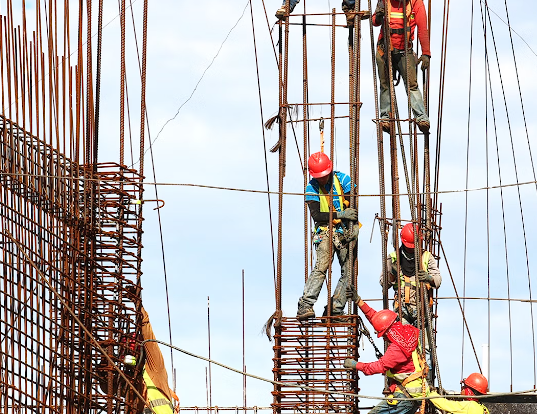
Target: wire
[
  {"x": 324, "y": 391},
  {"x": 199, "y": 81}
]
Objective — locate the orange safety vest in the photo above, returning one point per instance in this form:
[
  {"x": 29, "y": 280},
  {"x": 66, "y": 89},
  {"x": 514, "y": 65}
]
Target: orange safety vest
[
  {"x": 408, "y": 283},
  {"x": 396, "y": 24}
]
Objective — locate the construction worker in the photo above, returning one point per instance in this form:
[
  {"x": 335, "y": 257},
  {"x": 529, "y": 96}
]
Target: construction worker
[
  {"x": 428, "y": 274},
  {"x": 401, "y": 363},
  {"x": 475, "y": 384},
  {"x": 347, "y": 9},
  {"x": 415, "y": 16},
  {"x": 318, "y": 199}
]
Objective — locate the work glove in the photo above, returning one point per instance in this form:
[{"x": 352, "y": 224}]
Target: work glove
[
  {"x": 350, "y": 363},
  {"x": 379, "y": 12},
  {"x": 425, "y": 61},
  {"x": 423, "y": 276},
  {"x": 348, "y": 214},
  {"x": 352, "y": 293},
  {"x": 351, "y": 235}
]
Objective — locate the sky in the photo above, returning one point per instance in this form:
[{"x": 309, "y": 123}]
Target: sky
[{"x": 211, "y": 235}]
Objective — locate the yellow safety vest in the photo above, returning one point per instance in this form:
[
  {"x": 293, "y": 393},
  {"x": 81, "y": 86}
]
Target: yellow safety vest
[
  {"x": 158, "y": 401},
  {"x": 406, "y": 282},
  {"x": 412, "y": 381},
  {"x": 324, "y": 199}
]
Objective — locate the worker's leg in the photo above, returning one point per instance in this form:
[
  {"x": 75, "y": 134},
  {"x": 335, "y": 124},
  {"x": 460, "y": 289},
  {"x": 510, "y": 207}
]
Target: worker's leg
[
  {"x": 384, "y": 104},
  {"x": 401, "y": 407},
  {"x": 316, "y": 278},
  {"x": 292, "y": 4},
  {"x": 340, "y": 293},
  {"x": 416, "y": 100}
]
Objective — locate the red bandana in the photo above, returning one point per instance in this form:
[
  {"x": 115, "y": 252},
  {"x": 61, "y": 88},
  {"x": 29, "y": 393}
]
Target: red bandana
[{"x": 404, "y": 336}]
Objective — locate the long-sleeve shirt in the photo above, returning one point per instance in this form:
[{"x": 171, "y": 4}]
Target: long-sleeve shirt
[
  {"x": 394, "y": 359},
  {"x": 418, "y": 18},
  {"x": 432, "y": 269},
  {"x": 458, "y": 407}
]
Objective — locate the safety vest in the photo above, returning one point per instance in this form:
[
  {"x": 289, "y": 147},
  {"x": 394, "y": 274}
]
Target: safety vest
[
  {"x": 396, "y": 24},
  {"x": 409, "y": 283},
  {"x": 412, "y": 381},
  {"x": 325, "y": 198},
  {"x": 158, "y": 402}
]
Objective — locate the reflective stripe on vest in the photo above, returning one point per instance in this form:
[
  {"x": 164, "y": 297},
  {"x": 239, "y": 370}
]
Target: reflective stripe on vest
[
  {"x": 158, "y": 402},
  {"x": 324, "y": 197}
]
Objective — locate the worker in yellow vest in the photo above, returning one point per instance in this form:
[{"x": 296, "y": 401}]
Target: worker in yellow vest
[
  {"x": 428, "y": 273},
  {"x": 475, "y": 384},
  {"x": 323, "y": 180}
]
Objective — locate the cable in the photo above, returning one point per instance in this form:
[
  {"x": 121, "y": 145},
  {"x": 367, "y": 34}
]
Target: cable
[
  {"x": 199, "y": 81},
  {"x": 324, "y": 391}
]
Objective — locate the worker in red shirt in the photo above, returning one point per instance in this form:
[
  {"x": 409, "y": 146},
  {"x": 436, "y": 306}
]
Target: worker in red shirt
[
  {"x": 415, "y": 16},
  {"x": 401, "y": 362}
]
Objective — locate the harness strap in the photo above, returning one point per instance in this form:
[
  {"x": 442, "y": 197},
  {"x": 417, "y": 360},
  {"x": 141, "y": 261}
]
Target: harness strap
[{"x": 407, "y": 289}]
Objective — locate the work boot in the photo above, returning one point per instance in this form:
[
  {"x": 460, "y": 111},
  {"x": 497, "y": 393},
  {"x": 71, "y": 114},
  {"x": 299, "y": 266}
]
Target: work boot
[
  {"x": 424, "y": 126},
  {"x": 335, "y": 317},
  {"x": 280, "y": 13},
  {"x": 349, "y": 13},
  {"x": 305, "y": 313},
  {"x": 385, "y": 125}
]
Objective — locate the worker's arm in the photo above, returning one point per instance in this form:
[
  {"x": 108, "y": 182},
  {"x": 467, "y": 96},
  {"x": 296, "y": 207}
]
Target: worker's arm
[
  {"x": 378, "y": 16},
  {"x": 391, "y": 276},
  {"x": 393, "y": 357},
  {"x": 366, "y": 309},
  {"x": 434, "y": 272},
  {"x": 322, "y": 218},
  {"x": 456, "y": 407},
  {"x": 421, "y": 21}
]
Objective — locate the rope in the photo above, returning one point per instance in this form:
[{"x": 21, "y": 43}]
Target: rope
[{"x": 324, "y": 391}]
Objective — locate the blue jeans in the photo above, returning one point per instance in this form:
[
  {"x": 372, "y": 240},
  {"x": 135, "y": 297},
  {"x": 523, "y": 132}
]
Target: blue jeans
[
  {"x": 402, "y": 407},
  {"x": 316, "y": 278},
  {"x": 292, "y": 4},
  {"x": 399, "y": 63}
]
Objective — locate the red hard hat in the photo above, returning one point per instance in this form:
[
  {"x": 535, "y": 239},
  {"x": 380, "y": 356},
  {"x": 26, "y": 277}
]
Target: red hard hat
[
  {"x": 382, "y": 320},
  {"x": 319, "y": 165},
  {"x": 476, "y": 382},
  {"x": 407, "y": 235}
]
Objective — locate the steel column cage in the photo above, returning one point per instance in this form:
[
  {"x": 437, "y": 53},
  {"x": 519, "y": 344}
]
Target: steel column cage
[
  {"x": 311, "y": 354},
  {"x": 66, "y": 235}
]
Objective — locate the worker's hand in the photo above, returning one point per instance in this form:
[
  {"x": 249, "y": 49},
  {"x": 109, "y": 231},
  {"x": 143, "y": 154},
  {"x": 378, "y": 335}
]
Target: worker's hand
[
  {"x": 425, "y": 61},
  {"x": 423, "y": 276},
  {"x": 364, "y": 15},
  {"x": 348, "y": 214},
  {"x": 352, "y": 234},
  {"x": 352, "y": 293},
  {"x": 379, "y": 11},
  {"x": 350, "y": 363}
]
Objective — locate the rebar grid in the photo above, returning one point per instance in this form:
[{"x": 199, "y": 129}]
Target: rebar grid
[
  {"x": 312, "y": 354},
  {"x": 47, "y": 360}
]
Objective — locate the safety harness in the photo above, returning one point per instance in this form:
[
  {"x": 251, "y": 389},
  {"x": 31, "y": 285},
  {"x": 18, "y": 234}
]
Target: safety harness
[
  {"x": 408, "y": 284},
  {"x": 393, "y": 18}
]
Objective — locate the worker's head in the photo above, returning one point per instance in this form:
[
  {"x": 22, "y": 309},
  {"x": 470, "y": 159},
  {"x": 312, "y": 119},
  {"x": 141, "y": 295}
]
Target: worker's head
[
  {"x": 407, "y": 235},
  {"x": 320, "y": 167},
  {"x": 474, "y": 384},
  {"x": 382, "y": 321}
]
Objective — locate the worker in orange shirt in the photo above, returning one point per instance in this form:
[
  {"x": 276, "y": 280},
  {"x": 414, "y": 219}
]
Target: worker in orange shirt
[{"x": 394, "y": 11}]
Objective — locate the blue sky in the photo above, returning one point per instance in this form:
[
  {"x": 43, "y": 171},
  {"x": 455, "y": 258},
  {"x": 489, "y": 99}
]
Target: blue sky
[
  {"x": 211, "y": 235},
  {"x": 216, "y": 139}
]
